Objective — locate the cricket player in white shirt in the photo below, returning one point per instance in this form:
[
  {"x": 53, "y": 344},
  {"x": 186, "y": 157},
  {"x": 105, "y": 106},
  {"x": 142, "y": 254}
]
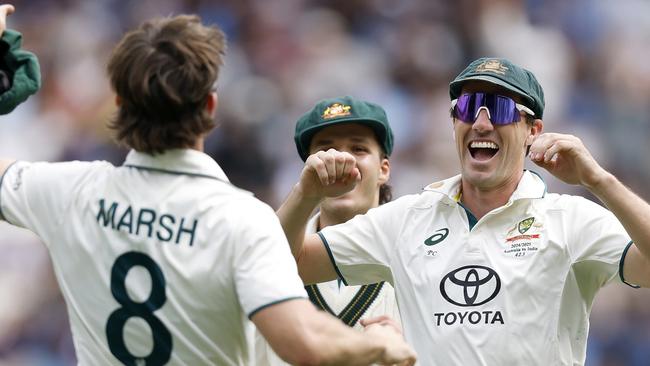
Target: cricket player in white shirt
[
  {"x": 162, "y": 260},
  {"x": 488, "y": 267},
  {"x": 360, "y": 128}
]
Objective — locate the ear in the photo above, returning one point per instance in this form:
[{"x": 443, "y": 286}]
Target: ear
[
  {"x": 118, "y": 100},
  {"x": 535, "y": 130},
  {"x": 211, "y": 103},
  {"x": 384, "y": 171}
]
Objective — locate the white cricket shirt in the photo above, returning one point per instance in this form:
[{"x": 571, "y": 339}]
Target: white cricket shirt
[
  {"x": 514, "y": 288},
  {"x": 348, "y": 303},
  {"x": 159, "y": 260}
]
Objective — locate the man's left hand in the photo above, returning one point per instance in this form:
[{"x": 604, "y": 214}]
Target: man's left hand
[
  {"x": 567, "y": 158},
  {"x": 384, "y": 320}
]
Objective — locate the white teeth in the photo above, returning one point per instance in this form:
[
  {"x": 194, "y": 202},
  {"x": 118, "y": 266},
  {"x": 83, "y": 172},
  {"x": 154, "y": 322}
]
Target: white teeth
[{"x": 483, "y": 145}]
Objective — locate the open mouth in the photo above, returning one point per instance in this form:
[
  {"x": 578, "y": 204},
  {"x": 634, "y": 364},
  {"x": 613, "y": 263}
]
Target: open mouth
[{"x": 483, "y": 150}]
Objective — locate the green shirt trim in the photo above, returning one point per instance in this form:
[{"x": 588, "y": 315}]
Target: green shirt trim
[
  {"x": 470, "y": 216},
  {"x": 329, "y": 253},
  {"x": 621, "y": 263},
  {"x": 355, "y": 309},
  {"x": 252, "y": 313}
]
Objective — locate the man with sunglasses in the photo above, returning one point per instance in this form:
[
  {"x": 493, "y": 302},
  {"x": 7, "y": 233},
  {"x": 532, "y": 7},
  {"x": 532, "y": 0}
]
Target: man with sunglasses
[
  {"x": 488, "y": 267},
  {"x": 161, "y": 260}
]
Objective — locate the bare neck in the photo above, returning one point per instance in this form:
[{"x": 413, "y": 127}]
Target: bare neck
[
  {"x": 199, "y": 144},
  {"x": 327, "y": 219},
  {"x": 329, "y": 216},
  {"x": 480, "y": 201}
]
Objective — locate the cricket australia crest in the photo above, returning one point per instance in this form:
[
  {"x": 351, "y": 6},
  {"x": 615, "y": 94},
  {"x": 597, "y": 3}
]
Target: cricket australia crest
[
  {"x": 525, "y": 224},
  {"x": 336, "y": 110},
  {"x": 494, "y": 66}
]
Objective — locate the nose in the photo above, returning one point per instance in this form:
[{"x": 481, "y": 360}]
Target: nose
[{"x": 482, "y": 122}]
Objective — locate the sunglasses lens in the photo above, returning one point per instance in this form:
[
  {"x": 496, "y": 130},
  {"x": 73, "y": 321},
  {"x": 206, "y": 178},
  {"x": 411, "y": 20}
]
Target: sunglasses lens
[
  {"x": 466, "y": 107},
  {"x": 502, "y": 109}
]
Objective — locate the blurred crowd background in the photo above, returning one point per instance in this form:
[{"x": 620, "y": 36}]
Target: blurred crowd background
[{"x": 591, "y": 56}]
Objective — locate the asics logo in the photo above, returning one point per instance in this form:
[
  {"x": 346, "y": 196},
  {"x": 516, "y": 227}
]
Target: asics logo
[{"x": 436, "y": 238}]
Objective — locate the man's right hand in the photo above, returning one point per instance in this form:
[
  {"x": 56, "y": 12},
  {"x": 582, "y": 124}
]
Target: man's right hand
[
  {"x": 329, "y": 173},
  {"x": 398, "y": 352}
]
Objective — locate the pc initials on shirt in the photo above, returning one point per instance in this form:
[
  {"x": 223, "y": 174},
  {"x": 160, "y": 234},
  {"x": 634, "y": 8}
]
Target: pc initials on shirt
[{"x": 145, "y": 221}]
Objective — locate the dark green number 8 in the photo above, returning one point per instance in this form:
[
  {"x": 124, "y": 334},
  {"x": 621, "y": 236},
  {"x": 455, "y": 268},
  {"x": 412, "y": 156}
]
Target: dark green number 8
[{"x": 162, "y": 339}]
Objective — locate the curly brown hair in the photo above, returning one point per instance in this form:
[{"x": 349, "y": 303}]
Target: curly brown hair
[{"x": 163, "y": 73}]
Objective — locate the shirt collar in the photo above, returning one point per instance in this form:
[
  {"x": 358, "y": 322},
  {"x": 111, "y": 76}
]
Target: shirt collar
[
  {"x": 177, "y": 161},
  {"x": 530, "y": 186},
  {"x": 449, "y": 188}
]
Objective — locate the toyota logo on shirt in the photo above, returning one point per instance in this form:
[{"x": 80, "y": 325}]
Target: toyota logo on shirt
[{"x": 471, "y": 285}]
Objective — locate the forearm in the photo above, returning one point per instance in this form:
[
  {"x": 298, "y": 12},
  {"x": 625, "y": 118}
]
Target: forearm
[
  {"x": 630, "y": 209},
  {"x": 294, "y": 214},
  {"x": 338, "y": 344},
  {"x": 302, "y": 335}
]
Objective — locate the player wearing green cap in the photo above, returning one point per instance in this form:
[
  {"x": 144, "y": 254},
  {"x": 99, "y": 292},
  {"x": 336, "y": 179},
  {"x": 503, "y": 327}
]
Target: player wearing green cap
[
  {"x": 361, "y": 129},
  {"x": 162, "y": 260},
  {"x": 488, "y": 267}
]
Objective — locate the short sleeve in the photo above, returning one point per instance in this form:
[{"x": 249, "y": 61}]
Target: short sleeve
[
  {"x": 265, "y": 270},
  {"x": 36, "y": 196},
  {"x": 361, "y": 248},
  {"x": 598, "y": 241}
]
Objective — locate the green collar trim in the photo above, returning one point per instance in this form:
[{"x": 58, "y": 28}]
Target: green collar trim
[
  {"x": 359, "y": 304},
  {"x": 470, "y": 216}
]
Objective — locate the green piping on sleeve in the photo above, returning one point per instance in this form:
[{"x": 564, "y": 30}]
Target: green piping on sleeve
[
  {"x": 329, "y": 252},
  {"x": 621, "y": 263},
  {"x": 271, "y": 304}
]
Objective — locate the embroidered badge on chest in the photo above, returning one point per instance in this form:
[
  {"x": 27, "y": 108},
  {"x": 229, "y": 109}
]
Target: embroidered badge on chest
[{"x": 524, "y": 238}]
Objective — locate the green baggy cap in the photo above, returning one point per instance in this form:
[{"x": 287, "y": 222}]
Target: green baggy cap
[
  {"x": 338, "y": 110},
  {"x": 502, "y": 72},
  {"x": 21, "y": 69}
]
